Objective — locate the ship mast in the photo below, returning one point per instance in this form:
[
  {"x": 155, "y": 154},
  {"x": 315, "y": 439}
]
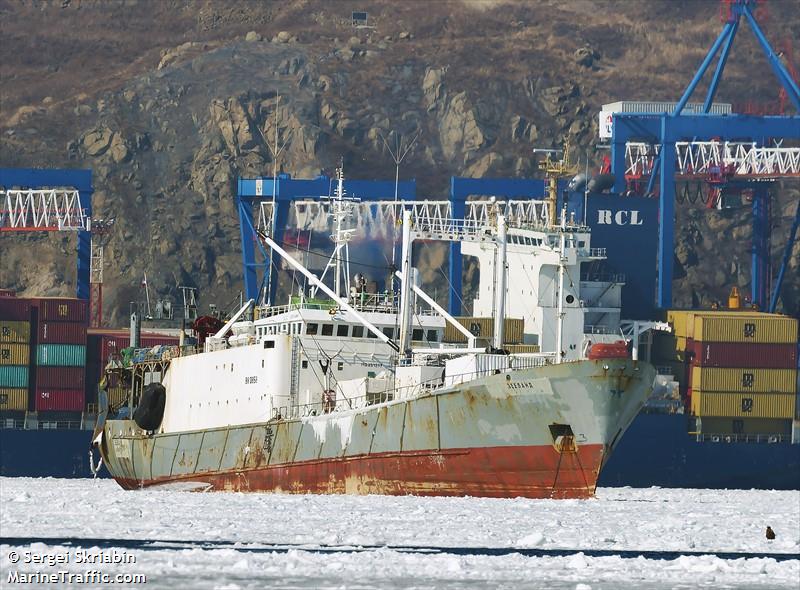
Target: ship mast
[
  {"x": 561, "y": 269},
  {"x": 500, "y": 283},
  {"x": 341, "y": 209},
  {"x": 554, "y": 169}
]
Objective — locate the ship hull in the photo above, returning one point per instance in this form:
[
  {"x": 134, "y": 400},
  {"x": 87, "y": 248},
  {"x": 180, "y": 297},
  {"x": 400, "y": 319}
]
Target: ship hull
[
  {"x": 540, "y": 433},
  {"x": 502, "y": 472}
]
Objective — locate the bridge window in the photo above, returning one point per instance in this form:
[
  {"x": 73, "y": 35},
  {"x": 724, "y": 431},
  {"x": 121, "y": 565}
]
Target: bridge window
[
  {"x": 311, "y": 329},
  {"x": 388, "y": 332},
  {"x": 342, "y": 329},
  {"x": 358, "y": 331},
  {"x": 433, "y": 336},
  {"x": 327, "y": 329},
  {"x": 269, "y": 344},
  {"x": 416, "y": 334},
  {"x": 370, "y": 334}
]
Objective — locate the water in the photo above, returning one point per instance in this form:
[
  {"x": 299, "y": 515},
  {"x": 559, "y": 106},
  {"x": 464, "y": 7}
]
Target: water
[{"x": 625, "y": 538}]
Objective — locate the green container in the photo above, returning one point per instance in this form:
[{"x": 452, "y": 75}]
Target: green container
[
  {"x": 13, "y": 376},
  {"x": 61, "y": 355}
]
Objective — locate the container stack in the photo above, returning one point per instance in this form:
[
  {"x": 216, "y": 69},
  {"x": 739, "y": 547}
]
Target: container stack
[
  {"x": 740, "y": 369},
  {"x": 15, "y": 355},
  {"x": 60, "y": 355}
]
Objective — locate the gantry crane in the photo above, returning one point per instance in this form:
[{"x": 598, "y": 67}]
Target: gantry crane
[{"x": 744, "y": 150}]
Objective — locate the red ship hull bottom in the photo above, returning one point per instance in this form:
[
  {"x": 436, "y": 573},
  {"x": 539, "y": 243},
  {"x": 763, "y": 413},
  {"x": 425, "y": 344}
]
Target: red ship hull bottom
[{"x": 500, "y": 472}]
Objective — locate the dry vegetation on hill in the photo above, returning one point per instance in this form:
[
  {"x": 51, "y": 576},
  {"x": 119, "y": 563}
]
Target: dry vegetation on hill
[{"x": 166, "y": 100}]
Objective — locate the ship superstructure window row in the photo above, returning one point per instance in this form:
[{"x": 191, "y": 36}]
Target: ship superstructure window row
[{"x": 339, "y": 330}]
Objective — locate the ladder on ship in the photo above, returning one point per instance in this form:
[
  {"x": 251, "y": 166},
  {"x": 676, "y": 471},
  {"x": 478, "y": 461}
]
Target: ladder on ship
[{"x": 294, "y": 382}]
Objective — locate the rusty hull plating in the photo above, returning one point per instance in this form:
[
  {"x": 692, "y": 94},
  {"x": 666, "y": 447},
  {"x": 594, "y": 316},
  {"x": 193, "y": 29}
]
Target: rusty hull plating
[{"x": 543, "y": 432}]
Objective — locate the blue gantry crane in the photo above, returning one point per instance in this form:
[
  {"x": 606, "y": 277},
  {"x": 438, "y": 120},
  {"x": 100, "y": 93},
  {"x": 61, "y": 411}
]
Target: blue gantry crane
[
  {"x": 33, "y": 199},
  {"x": 743, "y": 149}
]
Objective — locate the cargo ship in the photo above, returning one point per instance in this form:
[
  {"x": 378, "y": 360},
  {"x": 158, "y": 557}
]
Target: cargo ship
[
  {"x": 732, "y": 418},
  {"x": 358, "y": 393}
]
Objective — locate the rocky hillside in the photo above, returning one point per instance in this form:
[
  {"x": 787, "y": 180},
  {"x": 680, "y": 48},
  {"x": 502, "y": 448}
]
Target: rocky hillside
[{"x": 169, "y": 102}]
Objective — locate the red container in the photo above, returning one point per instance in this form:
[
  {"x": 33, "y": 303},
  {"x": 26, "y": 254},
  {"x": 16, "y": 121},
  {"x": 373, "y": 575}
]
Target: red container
[
  {"x": 62, "y": 310},
  {"x": 735, "y": 354},
  {"x": 65, "y": 400},
  {"x": 15, "y": 309},
  {"x": 60, "y": 377},
  {"x": 7, "y": 293},
  {"x": 61, "y": 333}
]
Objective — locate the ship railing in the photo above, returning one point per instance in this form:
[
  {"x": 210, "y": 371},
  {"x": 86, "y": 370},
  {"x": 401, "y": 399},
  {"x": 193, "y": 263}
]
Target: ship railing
[
  {"x": 598, "y": 329},
  {"x": 12, "y": 424},
  {"x": 597, "y": 252},
  {"x": 59, "y": 424},
  {"x": 663, "y": 406},
  {"x": 335, "y": 402},
  {"x": 603, "y": 277},
  {"x": 158, "y": 353},
  {"x": 769, "y": 438}
]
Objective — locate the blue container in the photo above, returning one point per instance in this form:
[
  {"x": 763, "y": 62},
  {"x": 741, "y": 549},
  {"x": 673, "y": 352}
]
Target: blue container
[
  {"x": 61, "y": 355},
  {"x": 13, "y": 376}
]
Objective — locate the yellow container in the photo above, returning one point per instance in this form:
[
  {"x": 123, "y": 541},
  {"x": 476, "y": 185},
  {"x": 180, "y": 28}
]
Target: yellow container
[
  {"x": 743, "y": 405},
  {"x": 483, "y": 329},
  {"x": 15, "y": 332},
  {"x": 744, "y": 380},
  {"x": 14, "y": 398},
  {"x": 117, "y": 396},
  {"x": 14, "y": 354},
  {"x": 756, "y": 329},
  {"x": 682, "y": 320}
]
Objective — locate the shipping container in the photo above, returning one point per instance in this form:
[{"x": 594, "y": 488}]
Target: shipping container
[
  {"x": 743, "y": 405},
  {"x": 62, "y": 309},
  {"x": 744, "y": 329},
  {"x": 735, "y": 354},
  {"x": 13, "y": 376},
  {"x": 66, "y": 400},
  {"x": 14, "y": 398},
  {"x": 15, "y": 354},
  {"x": 16, "y": 332},
  {"x": 61, "y": 355},
  {"x": 483, "y": 329},
  {"x": 7, "y": 293},
  {"x": 62, "y": 333},
  {"x": 682, "y": 320},
  {"x": 12, "y": 308},
  {"x": 744, "y": 380},
  {"x": 60, "y": 377},
  {"x": 725, "y": 425}
]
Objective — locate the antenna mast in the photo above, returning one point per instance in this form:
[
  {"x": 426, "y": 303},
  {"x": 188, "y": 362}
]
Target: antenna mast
[{"x": 398, "y": 155}]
